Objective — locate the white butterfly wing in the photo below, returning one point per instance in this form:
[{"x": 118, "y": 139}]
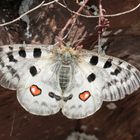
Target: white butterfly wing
[
  {"x": 97, "y": 79},
  {"x": 40, "y": 94},
  {"x": 86, "y": 98},
  {"x": 121, "y": 78},
  {"x": 16, "y": 59},
  {"x": 30, "y": 70}
]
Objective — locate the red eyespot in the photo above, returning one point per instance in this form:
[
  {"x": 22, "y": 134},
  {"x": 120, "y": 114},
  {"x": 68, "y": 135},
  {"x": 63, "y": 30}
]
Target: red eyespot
[
  {"x": 84, "y": 95},
  {"x": 35, "y": 90}
]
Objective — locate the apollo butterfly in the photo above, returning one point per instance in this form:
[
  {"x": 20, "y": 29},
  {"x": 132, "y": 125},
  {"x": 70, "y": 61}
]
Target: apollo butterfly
[{"x": 48, "y": 79}]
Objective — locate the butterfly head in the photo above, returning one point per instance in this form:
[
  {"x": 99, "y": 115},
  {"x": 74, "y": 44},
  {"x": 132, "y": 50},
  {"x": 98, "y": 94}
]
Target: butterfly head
[
  {"x": 67, "y": 54},
  {"x": 66, "y": 58}
]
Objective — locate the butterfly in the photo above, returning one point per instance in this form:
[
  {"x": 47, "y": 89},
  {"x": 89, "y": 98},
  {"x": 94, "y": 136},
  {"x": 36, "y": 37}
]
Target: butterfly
[{"x": 49, "y": 79}]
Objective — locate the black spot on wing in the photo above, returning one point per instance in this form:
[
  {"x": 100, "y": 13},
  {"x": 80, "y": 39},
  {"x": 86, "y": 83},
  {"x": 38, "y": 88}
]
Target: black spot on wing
[
  {"x": 109, "y": 84},
  {"x": 52, "y": 95},
  {"x": 65, "y": 99},
  {"x": 120, "y": 62},
  {"x": 91, "y": 77},
  {"x": 37, "y": 52},
  {"x": 33, "y": 70},
  {"x": 10, "y": 48},
  {"x": 11, "y": 57},
  {"x": 108, "y": 63},
  {"x": 22, "y": 52},
  {"x": 58, "y": 98},
  {"x": 12, "y": 70},
  {"x": 94, "y": 60},
  {"x": 116, "y": 71}
]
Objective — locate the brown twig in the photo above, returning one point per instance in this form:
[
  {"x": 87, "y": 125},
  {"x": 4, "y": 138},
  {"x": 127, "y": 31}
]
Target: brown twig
[
  {"x": 72, "y": 21},
  {"x": 97, "y": 16},
  {"x": 64, "y": 6},
  {"x": 33, "y": 9},
  {"x": 103, "y": 23}
]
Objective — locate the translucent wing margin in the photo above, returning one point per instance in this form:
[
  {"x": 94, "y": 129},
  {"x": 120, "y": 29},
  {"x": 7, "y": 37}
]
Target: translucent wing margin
[{"x": 120, "y": 77}]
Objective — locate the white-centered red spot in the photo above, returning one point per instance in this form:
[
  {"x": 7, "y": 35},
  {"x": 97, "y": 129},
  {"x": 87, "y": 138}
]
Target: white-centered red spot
[
  {"x": 84, "y": 95},
  {"x": 35, "y": 90}
]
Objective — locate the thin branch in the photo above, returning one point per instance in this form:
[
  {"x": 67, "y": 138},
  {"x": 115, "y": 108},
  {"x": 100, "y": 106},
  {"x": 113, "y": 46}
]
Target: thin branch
[
  {"x": 123, "y": 13},
  {"x": 64, "y": 6},
  {"x": 111, "y": 15},
  {"x": 70, "y": 29},
  {"x": 74, "y": 17},
  {"x": 33, "y": 9},
  {"x": 100, "y": 31}
]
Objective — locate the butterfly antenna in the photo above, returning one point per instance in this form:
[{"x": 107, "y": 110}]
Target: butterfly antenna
[{"x": 103, "y": 23}]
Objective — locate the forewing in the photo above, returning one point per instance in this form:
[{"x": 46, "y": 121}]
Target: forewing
[
  {"x": 17, "y": 59},
  {"x": 31, "y": 70},
  {"x": 120, "y": 77}
]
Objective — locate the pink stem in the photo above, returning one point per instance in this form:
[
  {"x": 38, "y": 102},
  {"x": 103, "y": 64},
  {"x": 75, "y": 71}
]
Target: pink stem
[{"x": 74, "y": 17}]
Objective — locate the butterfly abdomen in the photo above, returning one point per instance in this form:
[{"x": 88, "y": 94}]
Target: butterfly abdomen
[{"x": 64, "y": 76}]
